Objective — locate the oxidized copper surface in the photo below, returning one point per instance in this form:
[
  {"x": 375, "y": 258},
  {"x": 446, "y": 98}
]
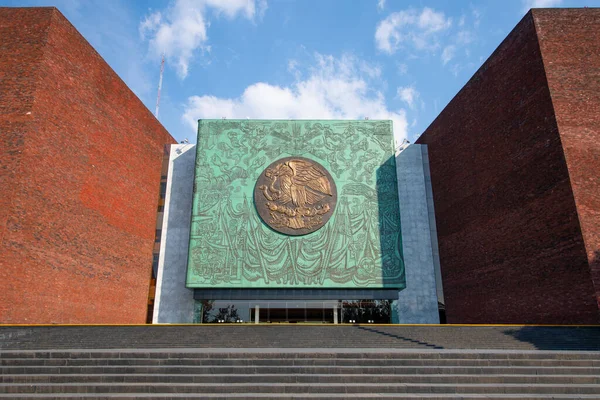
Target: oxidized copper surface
[{"x": 295, "y": 195}]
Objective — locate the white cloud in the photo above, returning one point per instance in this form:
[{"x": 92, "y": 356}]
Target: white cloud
[
  {"x": 476, "y": 12},
  {"x": 261, "y": 8},
  {"x": 408, "y": 94},
  {"x": 380, "y": 5},
  {"x": 432, "y": 21},
  {"x": 448, "y": 54},
  {"x": 456, "y": 68},
  {"x": 372, "y": 71},
  {"x": 411, "y": 27},
  {"x": 231, "y": 7},
  {"x": 181, "y": 29},
  {"x": 402, "y": 69},
  {"x": 465, "y": 37},
  {"x": 293, "y": 69},
  {"x": 333, "y": 88},
  {"x": 527, "y": 4}
]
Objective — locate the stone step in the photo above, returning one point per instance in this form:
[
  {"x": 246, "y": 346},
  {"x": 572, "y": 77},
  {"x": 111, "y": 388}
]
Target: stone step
[
  {"x": 299, "y": 388},
  {"x": 301, "y": 378},
  {"x": 303, "y": 396},
  {"x": 251, "y": 342},
  {"x": 326, "y": 343},
  {"x": 265, "y": 369},
  {"x": 317, "y": 353},
  {"x": 15, "y": 362}
]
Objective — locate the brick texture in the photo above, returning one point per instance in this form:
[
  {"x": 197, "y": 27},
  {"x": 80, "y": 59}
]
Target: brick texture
[
  {"x": 81, "y": 160},
  {"x": 510, "y": 240},
  {"x": 570, "y": 44}
]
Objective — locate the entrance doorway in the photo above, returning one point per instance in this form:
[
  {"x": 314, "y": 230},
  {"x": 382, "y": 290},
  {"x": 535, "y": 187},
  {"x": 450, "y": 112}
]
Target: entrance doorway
[{"x": 293, "y": 311}]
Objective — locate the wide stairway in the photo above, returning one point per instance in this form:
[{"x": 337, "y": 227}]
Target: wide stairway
[{"x": 300, "y": 362}]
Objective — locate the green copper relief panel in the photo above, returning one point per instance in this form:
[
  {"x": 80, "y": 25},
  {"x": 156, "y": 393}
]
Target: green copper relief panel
[{"x": 230, "y": 245}]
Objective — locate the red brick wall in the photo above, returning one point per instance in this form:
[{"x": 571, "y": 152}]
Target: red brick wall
[
  {"x": 570, "y": 43},
  {"x": 19, "y": 62},
  {"x": 511, "y": 248},
  {"x": 81, "y": 220}
]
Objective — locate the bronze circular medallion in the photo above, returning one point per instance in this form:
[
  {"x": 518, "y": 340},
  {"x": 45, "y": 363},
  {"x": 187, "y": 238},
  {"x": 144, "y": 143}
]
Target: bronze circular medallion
[{"x": 295, "y": 196}]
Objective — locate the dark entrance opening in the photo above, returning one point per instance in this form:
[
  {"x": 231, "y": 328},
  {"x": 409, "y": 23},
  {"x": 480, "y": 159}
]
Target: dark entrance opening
[{"x": 296, "y": 311}]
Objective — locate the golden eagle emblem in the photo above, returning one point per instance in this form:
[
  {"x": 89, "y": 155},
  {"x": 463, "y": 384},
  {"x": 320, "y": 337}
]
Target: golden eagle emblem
[{"x": 295, "y": 195}]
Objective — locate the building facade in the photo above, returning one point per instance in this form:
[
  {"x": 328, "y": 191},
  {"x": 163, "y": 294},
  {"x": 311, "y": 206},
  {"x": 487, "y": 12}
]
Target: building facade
[
  {"x": 517, "y": 151},
  {"x": 494, "y": 213},
  {"x": 80, "y": 165},
  {"x": 295, "y": 221}
]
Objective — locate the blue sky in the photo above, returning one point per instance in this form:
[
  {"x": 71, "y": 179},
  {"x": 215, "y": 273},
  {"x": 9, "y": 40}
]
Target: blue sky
[{"x": 382, "y": 59}]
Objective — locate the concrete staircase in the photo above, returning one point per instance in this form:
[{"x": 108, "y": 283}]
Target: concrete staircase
[
  {"x": 401, "y": 365},
  {"x": 310, "y": 374}
]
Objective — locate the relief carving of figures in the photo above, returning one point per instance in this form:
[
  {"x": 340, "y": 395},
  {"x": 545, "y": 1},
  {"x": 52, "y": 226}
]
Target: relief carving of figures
[{"x": 330, "y": 184}]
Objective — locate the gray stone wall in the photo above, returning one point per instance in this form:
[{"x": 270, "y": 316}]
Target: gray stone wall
[
  {"x": 174, "y": 303},
  {"x": 418, "y": 303},
  {"x": 432, "y": 225}
]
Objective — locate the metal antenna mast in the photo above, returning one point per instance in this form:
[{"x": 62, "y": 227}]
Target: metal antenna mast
[{"x": 162, "y": 68}]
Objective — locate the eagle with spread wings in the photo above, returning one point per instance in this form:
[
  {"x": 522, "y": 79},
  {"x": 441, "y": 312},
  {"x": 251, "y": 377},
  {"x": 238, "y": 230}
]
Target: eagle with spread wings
[{"x": 298, "y": 182}]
